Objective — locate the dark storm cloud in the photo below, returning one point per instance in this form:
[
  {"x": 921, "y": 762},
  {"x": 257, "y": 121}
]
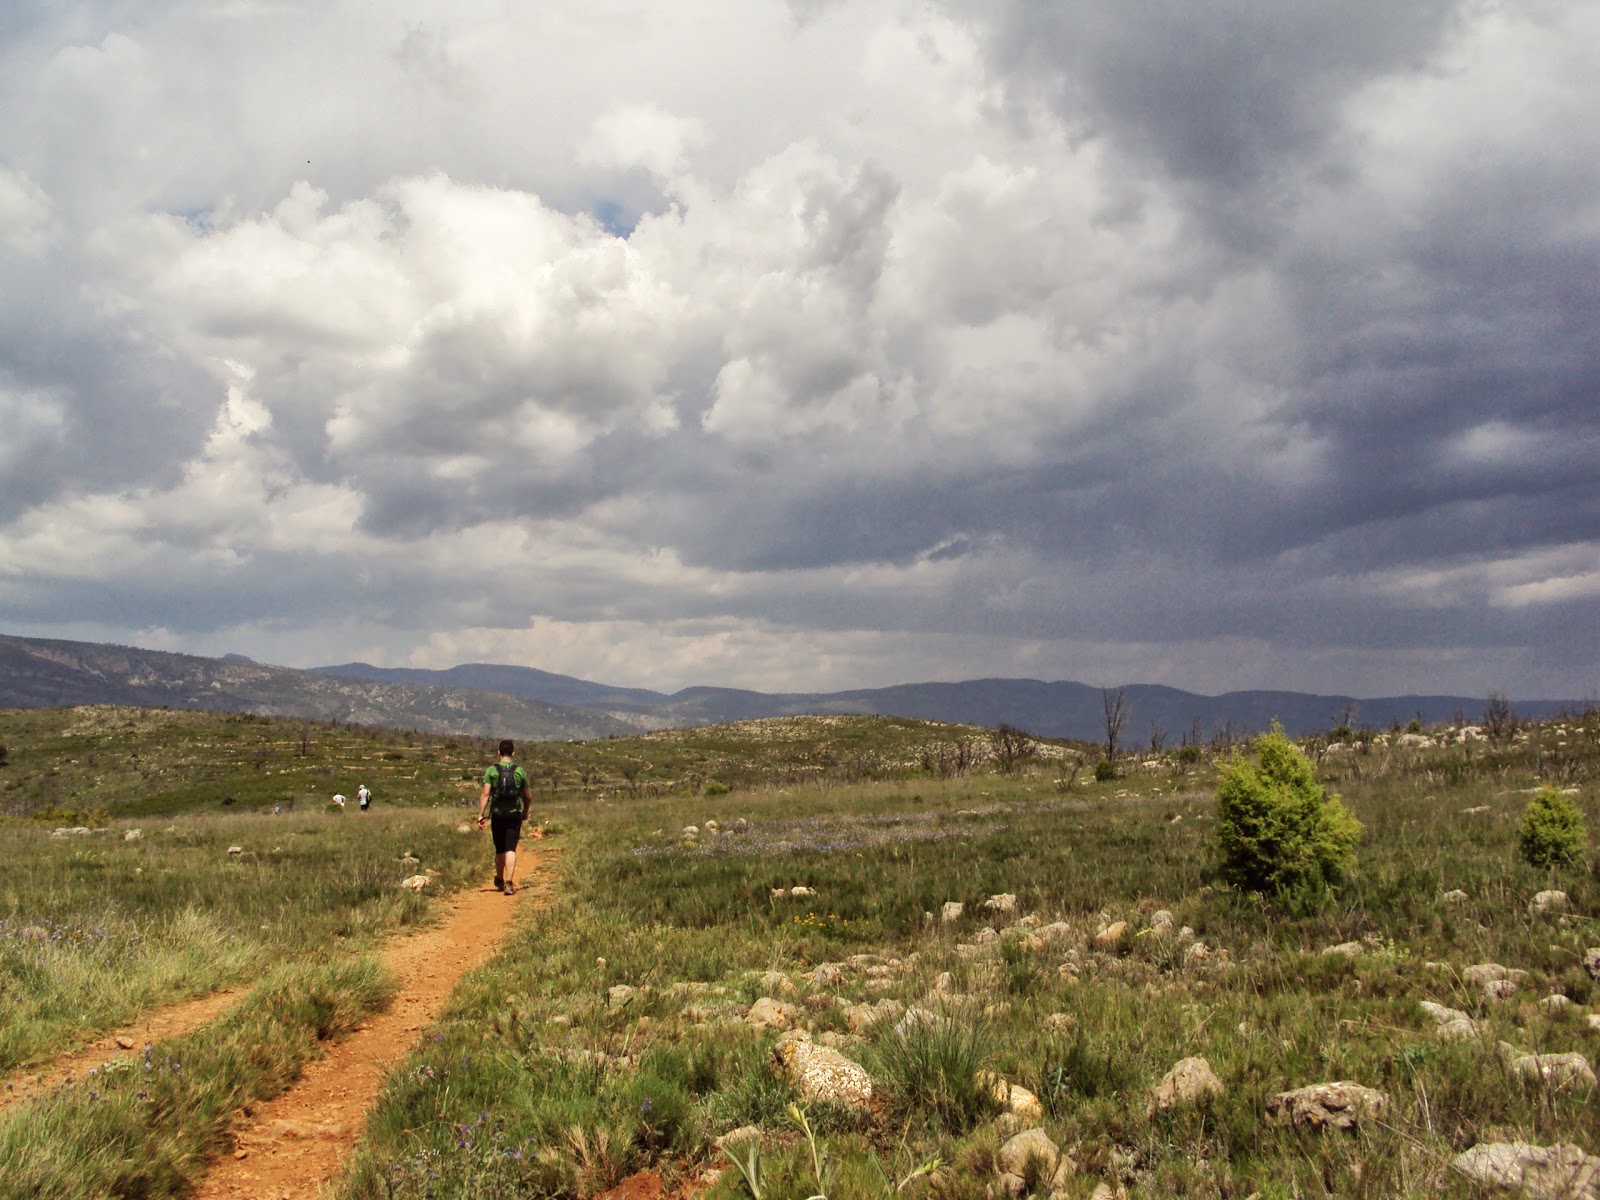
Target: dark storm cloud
[{"x": 1136, "y": 331}]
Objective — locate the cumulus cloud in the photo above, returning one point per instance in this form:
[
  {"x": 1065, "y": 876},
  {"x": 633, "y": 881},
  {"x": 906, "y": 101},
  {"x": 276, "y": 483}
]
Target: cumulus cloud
[{"x": 810, "y": 345}]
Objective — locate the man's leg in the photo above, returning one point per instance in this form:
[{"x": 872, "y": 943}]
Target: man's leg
[
  {"x": 500, "y": 870},
  {"x": 511, "y": 866}
]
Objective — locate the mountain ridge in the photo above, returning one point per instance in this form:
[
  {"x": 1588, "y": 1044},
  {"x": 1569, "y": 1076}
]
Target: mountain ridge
[
  {"x": 1060, "y": 708},
  {"x": 499, "y": 700}
]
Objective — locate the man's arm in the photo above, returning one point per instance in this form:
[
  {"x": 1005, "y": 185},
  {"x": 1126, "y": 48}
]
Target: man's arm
[{"x": 483, "y": 801}]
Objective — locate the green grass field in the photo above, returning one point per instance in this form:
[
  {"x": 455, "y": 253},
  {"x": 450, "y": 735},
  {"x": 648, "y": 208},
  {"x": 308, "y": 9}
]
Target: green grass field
[{"x": 542, "y": 1079}]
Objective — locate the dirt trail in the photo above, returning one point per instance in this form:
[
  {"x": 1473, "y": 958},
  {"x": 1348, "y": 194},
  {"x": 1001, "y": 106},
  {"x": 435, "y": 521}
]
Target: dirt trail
[
  {"x": 297, "y": 1143},
  {"x": 172, "y": 1020}
]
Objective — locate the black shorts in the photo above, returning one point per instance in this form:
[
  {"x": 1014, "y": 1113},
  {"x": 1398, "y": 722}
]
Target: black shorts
[{"x": 507, "y": 829}]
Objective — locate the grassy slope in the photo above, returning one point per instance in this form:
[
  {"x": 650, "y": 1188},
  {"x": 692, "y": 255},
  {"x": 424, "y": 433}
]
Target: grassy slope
[
  {"x": 533, "y": 1084},
  {"x": 566, "y": 1093}
]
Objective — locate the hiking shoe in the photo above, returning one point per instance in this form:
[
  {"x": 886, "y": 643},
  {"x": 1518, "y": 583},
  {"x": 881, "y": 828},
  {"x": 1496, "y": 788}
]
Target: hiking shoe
[
  {"x": 511, "y": 888},
  {"x": 499, "y": 884}
]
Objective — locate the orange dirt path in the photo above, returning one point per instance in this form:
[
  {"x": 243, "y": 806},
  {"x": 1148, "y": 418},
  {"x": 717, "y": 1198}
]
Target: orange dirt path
[
  {"x": 172, "y": 1020},
  {"x": 296, "y": 1144}
]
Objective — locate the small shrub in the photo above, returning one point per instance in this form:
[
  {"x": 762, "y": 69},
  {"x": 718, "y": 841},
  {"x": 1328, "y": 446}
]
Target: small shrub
[
  {"x": 717, "y": 788},
  {"x": 1552, "y": 832},
  {"x": 1104, "y": 771},
  {"x": 932, "y": 1070},
  {"x": 1189, "y": 754},
  {"x": 1277, "y": 831}
]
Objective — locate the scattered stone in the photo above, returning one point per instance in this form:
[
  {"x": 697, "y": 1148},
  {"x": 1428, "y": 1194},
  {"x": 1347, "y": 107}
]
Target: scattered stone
[
  {"x": 1556, "y": 1003},
  {"x": 1032, "y": 1150},
  {"x": 1060, "y": 1022},
  {"x": 1161, "y": 920},
  {"x": 1196, "y": 952},
  {"x": 1012, "y": 1097},
  {"x": 917, "y": 1019},
  {"x": 864, "y": 1016},
  {"x": 1551, "y": 901},
  {"x": 951, "y": 911},
  {"x": 1104, "y": 1191},
  {"x": 619, "y": 995},
  {"x": 1339, "y": 1105},
  {"x": 710, "y": 826},
  {"x": 132, "y": 835},
  {"x": 1558, "y": 1070},
  {"x": 415, "y": 883},
  {"x": 1031, "y": 921},
  {"x": 465, "y": 827},
  {"x": 985, "y": 936},
  {"x": 689, "y": 831},
  {"x": 1591, "y": 961},
  {"x": 821, "y": 1072},
  {"x": 1053, "y": 931},
  {"x": 1476, "y": 811},
  {"x": 1559, "y": 1172},
  {"x": 1111, "y": 933},
  {"x": 1189, "y": 1081},
  {"x": 777, "y": 981},
  {"x": 767, "y": 1013},
  {"x": 124, "y": 1043},
  {"x": 409, "y": 858},
  {"x": 1450, "y": 1023},
  {"x": 828, "y": 974},
  {"x": 800, "y": 889},
  {"x": 944, "y": 983},
  {"x": 1493, "y": 980},
  {"x": 1005, "y": 902},
  {"x": 1348, "y": 949},
  {"x": 235, "y": 851},
  {"x": 1454, "y": 896}
]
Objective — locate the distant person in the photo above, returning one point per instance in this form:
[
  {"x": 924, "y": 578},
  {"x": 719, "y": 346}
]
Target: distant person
[
  {"x": 363, "y": 797},
  {"x": 505, "y": 802},
  {"x": 338, "y": 799}
]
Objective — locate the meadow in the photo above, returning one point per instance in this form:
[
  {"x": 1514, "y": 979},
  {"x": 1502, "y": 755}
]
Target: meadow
[{"x": 614, "y": 1032}]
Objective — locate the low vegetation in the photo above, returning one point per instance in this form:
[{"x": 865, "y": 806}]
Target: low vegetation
[{"x": 1101, "y": 937}]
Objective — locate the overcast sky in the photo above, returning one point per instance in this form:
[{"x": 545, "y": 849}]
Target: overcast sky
[{"x": 810, "y": 345}]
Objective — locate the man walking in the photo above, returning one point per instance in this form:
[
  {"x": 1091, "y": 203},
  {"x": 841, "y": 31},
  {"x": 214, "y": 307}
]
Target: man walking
[
  {"x": 505, "y": 801},
  {"x": 363, "y": 797}
]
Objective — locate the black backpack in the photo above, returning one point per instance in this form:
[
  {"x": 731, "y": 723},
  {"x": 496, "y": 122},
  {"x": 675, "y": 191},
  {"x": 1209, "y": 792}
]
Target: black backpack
[{"x": 507, "y": 797}]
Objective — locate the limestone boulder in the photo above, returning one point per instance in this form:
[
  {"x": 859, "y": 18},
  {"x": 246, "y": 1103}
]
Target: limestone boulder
[
  {"x": 1032, "y": 1153},
  {"x": 1339, "y": 1105},
  {"x": 1012, "y": 1097},
  {"x": 768, "y": 1013},
  {"x": 822, "y": 1073},
  {"x": 1111, "y": 934},
  {"x": 1559, "y": 1172},
  {"x": 1450, "y": 1024},
  {"x": 1493, "y": 980},
  {"x": 1549, "y": 902},
  {"x": 1190, "y": 1081}
]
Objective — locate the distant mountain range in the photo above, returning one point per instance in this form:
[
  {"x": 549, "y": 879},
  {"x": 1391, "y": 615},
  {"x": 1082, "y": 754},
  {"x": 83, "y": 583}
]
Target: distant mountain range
[
  {"x": 486, "y": 700},
  {"x": 40, "y": 672},
  {"x": 1063, "y": 709}
]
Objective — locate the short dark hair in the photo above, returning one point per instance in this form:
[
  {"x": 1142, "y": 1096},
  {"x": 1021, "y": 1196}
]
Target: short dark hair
[{"x": 507, "y": 749}]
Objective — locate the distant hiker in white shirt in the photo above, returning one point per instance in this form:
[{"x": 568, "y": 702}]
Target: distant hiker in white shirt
[
  {"x": 338, "y": 799},
  {"x": 363, "y": 797}
]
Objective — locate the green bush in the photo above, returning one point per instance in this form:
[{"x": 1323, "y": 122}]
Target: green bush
[
  {"x": 1104, "y": 771},
  {"x": 1552, "y": 830},
  {"x": 1277, "y": 831}
]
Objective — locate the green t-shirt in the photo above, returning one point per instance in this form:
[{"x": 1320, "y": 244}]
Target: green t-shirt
[{"x": 497, "y": 806}]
